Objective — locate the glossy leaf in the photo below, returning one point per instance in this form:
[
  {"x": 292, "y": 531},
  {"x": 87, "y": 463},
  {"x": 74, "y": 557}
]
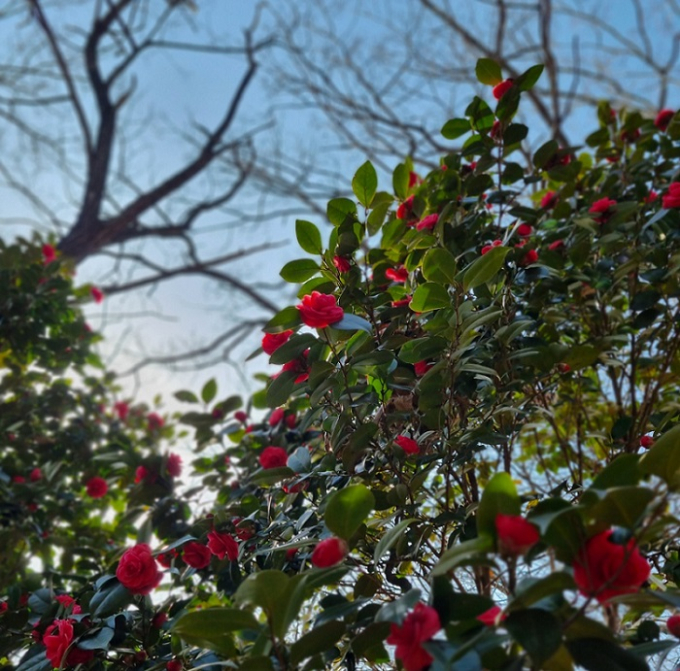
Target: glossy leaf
[
  {"x": 365, "y": 184},
  {"x": 347, "y": 509}
]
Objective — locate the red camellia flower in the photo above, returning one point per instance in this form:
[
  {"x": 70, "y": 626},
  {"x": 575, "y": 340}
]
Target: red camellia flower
[
  {"x": 165, "y": 558},
  {"x": 97, "y": 294},
  {"x": 524, "y": 230},
  {"x": 413, "y": 179},
  {"x": 96, "y": 487},
  {"x": 142, "y": 473},
  {"x": 530, "y": 257},
  {"x": 427, "y": 223},
  {"x": 663, "y": 118},
  {"x": 399, "y": 275},
  {"x": 174, "y": 465},
  {"x": 3, "y": 607},
  {"x": 488, "y": 248},
  {"x": 407, "y": 444},
  {"x": 516, "y": 536},
  {"x": 49, "y": 254},
  {"x": 273, "y": 457},
  {"x": 291, "y": 421},
  {"x": 651, "y": 197},
  {"x": 492, "y": 617},
  {"x": 137, "y": 570},
  {"x": 342, "y": 264},
  {"x": 35, "y": 475},
  {"x": 154, "y": 421},
  {"x": 319, "y": 310},
  {"x": 496, "y": 132},
  {"x": 121, "y": 409},
  {"x": 223, "y": 545},
  {"x": 240, "y": 416},
  {"x": 421, "y": 367},
  {"x": 19, "y": 479},
  {"x": 159, "y": 619},
  {"x": 549, "y": 200},
  {"x": 174, "y": 665},
  {"x": 501, "y": 89},
  {"x": 605, "y": 569},
  {"x": 57, "y": 639},
  {"x": 602, "y": 207},
  {"x": 276, "y": 416},
  {"x": 402, "y": 302},
  {"x": 404, "y": 209},
  {"x": 555, "y": 246},
  {"x": 299, "y": 366},
  {"x": 272, "y": 341},
  {"x": 673, "y": 625},
  {"x": 646, "y": 442},
  {"x": 419, "y": 626},
  {"x": 68, "y": 601},
  {"x": 196, "y": 555},
  {"x": 672, "y": 197},
  {"x": 329, "y": 552}
]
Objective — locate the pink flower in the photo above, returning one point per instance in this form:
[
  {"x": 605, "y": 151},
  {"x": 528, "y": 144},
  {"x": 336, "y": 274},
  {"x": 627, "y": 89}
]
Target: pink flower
[
  {"x": 342, "y": 264},
  {"x": 399, "y": 275},
  {"x": 663, "y": 118},
  {"x": 329, "y": 552},
  {"x": 319, "y": 310},
  {"x": 121, "y": 409},
  {"x": 605, "y": 569},
  {"x": 427, "y": 223},
  {"x": 223, "y": 545},
  {"x": 405, "y": 208},
  {"x": 603, "y": 208},
  {"x": 421, "y": 367},
  {"x": 154, "y": 421},
  {"x": 174, "y": 465},
  {"x": 277, "y": 416},
  {"x": 407, "y": 444},
  {"x": 273, "y": 457},
  {"x": 516, "y": 536},
  {"x": 673, "y": 625},
  {"x": 524, "y": 230},
  {"x": 137, "y": 570},
  {"x": 97, "y": 487},
  {"x": 196, "y": 555},
  {"x": 272, "y": 341},
  {"x": 492, "y": 617},
  {"x": 97, "y": 294},
  {"x": 672, "y": 197},
  {"x": 549, "y": 200},
  {"x": 49, "y": 254},
  {"x": 501, "y": 89},
  {"x": 419, "y": 626}
]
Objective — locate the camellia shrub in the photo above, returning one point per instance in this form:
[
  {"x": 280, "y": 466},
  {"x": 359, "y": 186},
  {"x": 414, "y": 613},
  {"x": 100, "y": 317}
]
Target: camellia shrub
[{"x": 468, "y": 459}]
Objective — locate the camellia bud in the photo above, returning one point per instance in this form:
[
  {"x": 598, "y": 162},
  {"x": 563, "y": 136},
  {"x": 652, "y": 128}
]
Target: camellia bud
[{"x": 329, "y": 552}]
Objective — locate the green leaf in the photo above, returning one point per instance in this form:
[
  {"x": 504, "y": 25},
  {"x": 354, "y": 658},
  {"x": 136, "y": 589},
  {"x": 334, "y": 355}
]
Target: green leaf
[
  {"x": 461, "y": 553},
  {"x": 663, "y": 459},
  {"x": 621, "y": 472},
  {"x": 283, "y": 319},
  {"x": 532, "y": 590},
  {"x": 481, "y": 270},
  {"x": 347, "y": 509},
  {"x": 400, "y": 178},
  {"x": 212, "y": 628},
  {"x": 439, "y": 265},
  {"x": 454, "y": 128},
  {"x": 528, "y": 79},
  {"x": 308, "y": 236},
  {"x": 395, "y": 611},
  {"x": 537, "y": 631},
  {"x": 338, "y": 209},
  {"x": 209, "y": 391},
  {"x": 97, "y": 640},
  {"x": 430, "y": 296},
  {"x": 299, "y": 270},
  {"x": 352, "y": 322},
  {"x": 186, "y": 396},
  {"x": 621, "y": 506},
  {"x": 365, "y": 183},
  {"x": 389, "y": 538},
  {"x": 298, "y": 343},
  {"x": 544, "y": 153},
  {"x": 499, "y": 496},
  {"x": 110, "y": 599},
  {"x": 488, "y": 72},
  {"x": 317, "y": 641},
  {"x": 281, "y": 388},
  {"x": 376, "y": 218},
  {"x": 270, "y": 476},
  {"x": 596, "y": 654}
]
